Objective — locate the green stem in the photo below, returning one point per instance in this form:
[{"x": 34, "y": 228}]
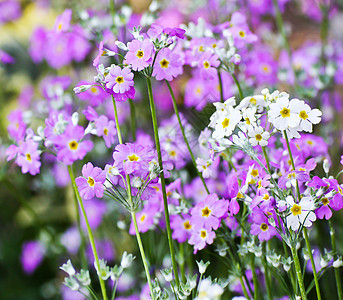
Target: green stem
[
  {"x": 141, "y": 249},
  {"x": 133, "y": 119},
  {"x": 244, "y": 288},
  {"x": 182, "y": 262},
  {"x": 298, "y": 273},
  {"x": 266, "y": 158},
  {"x": 165, "y": 201},
  {"x": 309, "y": 250},
  {"x": 90, "y": 233},
  {"x": 238, "y": 85},
  {"x": 337, "y": 274},
  {"x": 133, "y": 213},
  {"x": 184, "y": 136},
  {"x": 220, "y": 85},
  {"x": 266, "y": 272},
  {"x": 254, "y": 276}
]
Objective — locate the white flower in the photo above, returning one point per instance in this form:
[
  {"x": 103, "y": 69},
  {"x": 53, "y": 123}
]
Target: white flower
[
  {"x": 338, "y": 263},
  {"x": 68, "y": 268},
  {"x": 283, "y": 113},
  {"x": 258, "y": 136},
  {"x": 307, "y": 115},
  {"x": 126, "y": 260},
  {"x": 226, "y": 123},
  {"x": 300, "y": 213},
  {"x": 249, "y": 115},
  {"x": 202, "y": 266},
  {"x": 256, "y": 101},
  {"x": 209, "y": 291},
  {"x": 204, "y": 166},
  {"x": 104, "y": 271}
]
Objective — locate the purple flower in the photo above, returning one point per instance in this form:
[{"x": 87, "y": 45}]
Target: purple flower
[
  {"x": 167, "y": 65},
  {"x": 6, "y": 58},
  {"x": 200, "y": 237},
  {"x": 91, "y": 184},
  {"x": 178, "y": 32},
  {"x": 181, "y": 227},
  {"x": 208, "y": 62},
  {"x": 17, "y": 126},
  {"x": 209, "y": 212},
  {"x": 71, "y": 240},
  {"x": 145, "y": 219},
  {"x": 10, "y": 10},
  {"x": 95, "y": 210},
  {"x": 132, "y": 157},
  {"x": 105, "y": 128},
  {"x": 101, "y": 52},
  {"x": 139, "y": 55},
  {"x": 37, "y": 44},
  {"x": 119, "y": 83},
  {"x": 63, "y": 21},
  {"x": 28, "y": 156},
  {"x": 31, "y": 256},
  {"x": 69, "y": 145},
  {"x": 95, "y": 95}
]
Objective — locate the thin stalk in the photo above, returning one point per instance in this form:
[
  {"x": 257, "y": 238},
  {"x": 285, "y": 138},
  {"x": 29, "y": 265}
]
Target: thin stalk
[
  {"x": 266, "y": 158},
  {"x": 89, "y": 230},
  {"x": 238, "y": 85},
  {"x": 254, "y": 277},
  {"x": 220, "y": 85},
  {"x": 266, "y": 272},
  {"x": 182, "y": 262},
  {"x": 298, "y": 272},
  {"x": 309, "y": 250},
  {"x": 133, "y": 119},
  {"x": 244, "y": 288},
  {"x": 304, "y": 230},
  {"x": 337, "y": 274},
  {"x": 133, "y": 213},
  {"x": 163, "y": 183},
  {"x": 184, "y": 136}
]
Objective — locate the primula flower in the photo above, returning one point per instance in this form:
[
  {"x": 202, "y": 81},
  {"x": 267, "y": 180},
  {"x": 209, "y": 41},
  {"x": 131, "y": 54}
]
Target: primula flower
[
  {"x": 225, "y": 123},
  {"x": 28, "y": 157},
  {"x": 208, "y": 63},
  {"x": 307, "y": 116},
  {"x": 167, "y": 65},
  {"x": 181, "y": 227},
  {"x": 200, "y": 237},
  {"x": 5, "y": 58},
  {"x": 69, "y": 145},
  {"x": 132, "y": 157},
  {"x": 105, "y": 128},
  {"x": 257, "y": 136},
  {"x": 32, "y": 255},
  {"x": 95, "y": 94},
  {"x": 300, "y": 213},
  {"x": 209, "y": 212},
  {"x": 63, "y": 21},
  {"x": 284, "y": 113},
  {"x": 119, "y": 83},
  {"x": 139, "y": 55},
  {"x": 91, "y": 184}
]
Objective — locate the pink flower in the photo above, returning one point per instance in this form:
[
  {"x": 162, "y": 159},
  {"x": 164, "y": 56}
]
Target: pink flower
[
  {"x": 208, "y": 63},
  {"x": 63, "y": 21},
  {"x": 28, "y": 157},
  {"x": 96, "y": 60},
  {"x": 167, "y": 65},
  {"x": 119, "y": 83},
  {"x": 200, "y": 237},
  {"x": 105, "y": 128},
  {"x": 209, "y": 212},
  {"x": 181, "y": 227},
  {"x": 139, "y": 54},
  {"x": 69, "y": 145},
  {"x": 32, "y": 255},
  {"x": 91, "y": 184}
]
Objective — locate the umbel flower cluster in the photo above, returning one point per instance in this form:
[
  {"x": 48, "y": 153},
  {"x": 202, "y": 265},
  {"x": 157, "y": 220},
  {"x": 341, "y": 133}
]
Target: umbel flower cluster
[{"x": 185, "y": 151}]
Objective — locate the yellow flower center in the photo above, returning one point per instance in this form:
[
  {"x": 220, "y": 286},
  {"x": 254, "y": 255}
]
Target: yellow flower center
[
  {"x": 203, "y": 233},
  {"x": 105, "y": 131},
  {"x": 247, "y": 121},
  {"x": 264, "y": 226},
  {"x": 291, "y": 175},
  {"x": 143, "y": 218},
  {"x": 242, "y": 34},
  {"x": 201, "y": 49},
  {"x": 285, "y": 112},
  {"x": 164, "y": 63},
  {"x": 303, "y": 115},
  {"x": 254, "y": 172},
  {"x": 120, "y": 79},
  {"x": 240, "y": 195},
  {"x": 133, "y": 157},
  {"x": 310, "y": 142},
  {"x": 258, "y": 137},
  {"x": 325, "y": 201},
  {"x": 253, "y": 101},
  {"x": 187, "y": 225},
  {"x": 94, "y": 90},
  {"x": 296, "y": 210},
  {"x": 90, "y": 181},
  {"x": 266, "y": 197},
  {"x": 206, "y": 64},
  {"x": 226, "y": 123},
  {"x": 140, "y": 54},
  {"x": 172, "y": 153},
  {"x": 28, "y": 156},
  {"x": 205, "y": 212},
  {"x": 59, "y": 27},
  {"x": 266, "y": 69},
  {"x": 73, "y": 145}
]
